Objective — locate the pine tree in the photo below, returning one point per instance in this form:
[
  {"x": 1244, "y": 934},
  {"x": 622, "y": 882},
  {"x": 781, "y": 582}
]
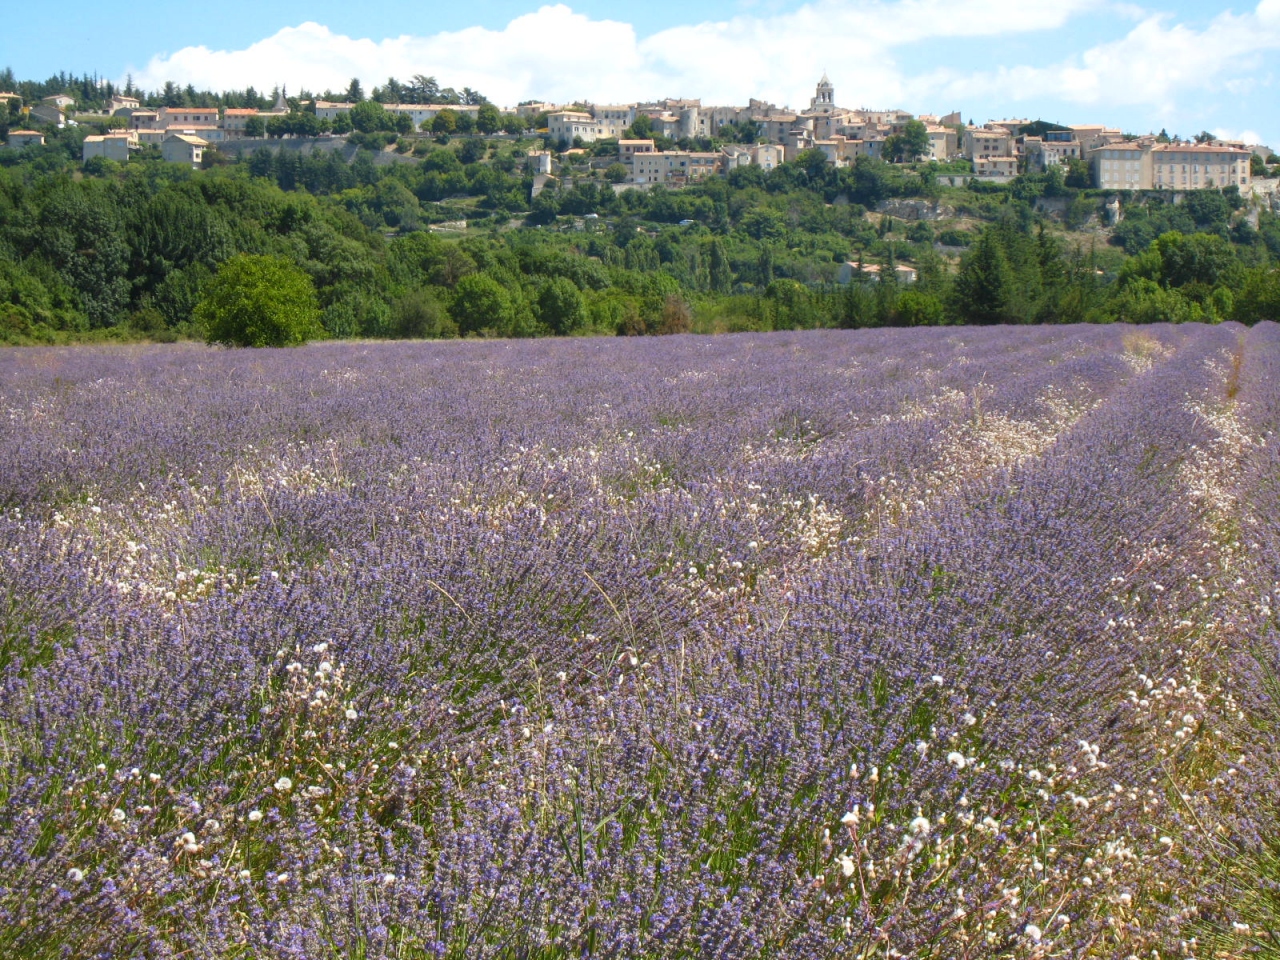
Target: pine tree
[
  {"x": 984, "y": 286},
  {"x": 721, "y": 273}
]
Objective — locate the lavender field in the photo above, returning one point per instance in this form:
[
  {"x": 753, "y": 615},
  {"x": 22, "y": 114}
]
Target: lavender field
[{"x": 949, "y": 643}]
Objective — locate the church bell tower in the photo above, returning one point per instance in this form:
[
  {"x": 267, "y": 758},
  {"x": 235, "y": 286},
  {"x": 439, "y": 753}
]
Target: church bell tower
[{"x": 824, "y": 100}]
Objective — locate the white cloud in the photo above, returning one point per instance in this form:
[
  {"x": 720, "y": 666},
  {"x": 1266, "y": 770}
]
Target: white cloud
[
  {"x": 552, "y": 52},
  {"x": 1244, "y": 136},
  {"x": 1158, "y": 64},
  {"x": 558, "y": 54},
  {"x": 1160, "y": 72}
]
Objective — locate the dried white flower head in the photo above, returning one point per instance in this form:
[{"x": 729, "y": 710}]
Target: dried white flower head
[
  {"x": 1033, "y": 932},
  {"x": 284, "y": 785},
  {"x": 255, "y": 816},
  {"x": 351, "y": 713},
  {"x": 117, "y": 815},
  {"x": 919, "y": 827},
  {"x": 74, "y": 875},
  {"x": 956, "y": 759}
]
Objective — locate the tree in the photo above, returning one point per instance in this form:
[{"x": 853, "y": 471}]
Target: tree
[
  {"x": 915, "y": 308},
  {"x": 445, "y": 122},
  {"x": 255, "y": 127},
  {"x": 355, "y": 93},
  {"x": 1202, "y": 260},
  {"x": 488, "y": 119},
  {"x": 1078, "y": 175},
  {"x": 983, "y": 288},
  {"x": 172, "y": 95},
  {"x": 515, "y": 124},
  {"x": 560, "y": 306},
  {"x": 641, "y": 128},
  {"x": 392, "y": 92},
  {"x": 615, "y": 173},
  {"x": 369, "y": 117},
  {"x": 82, "y": 235},
  {"x": 419, "y": 314},
  {"x": 909, "y": 145},
  {"x": 424, "y": 89},
  {"x": 1260, "y": 298},
  {"x": 259, "y": 301},
  {"x": 480, "y": 303},
  {"x": 720, "y": 273}
]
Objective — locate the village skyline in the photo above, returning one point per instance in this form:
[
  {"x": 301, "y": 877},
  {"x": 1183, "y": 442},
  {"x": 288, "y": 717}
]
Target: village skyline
[{"x": 1176, "y": 66}]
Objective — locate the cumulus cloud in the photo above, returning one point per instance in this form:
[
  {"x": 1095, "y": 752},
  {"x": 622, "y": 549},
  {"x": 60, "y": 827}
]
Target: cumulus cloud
[
  {"x": 559, "y": 54},
  {"x": 1156, "y": 69},
  {"x": 1157, "y": 64},
  {"x": 1244, "y": 136},
  {"x": 552, "y": 52}
]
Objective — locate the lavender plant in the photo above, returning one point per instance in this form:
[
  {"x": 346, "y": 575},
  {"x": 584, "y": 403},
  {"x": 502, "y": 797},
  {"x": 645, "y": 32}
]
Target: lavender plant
[{"x": 907, "y": 643}]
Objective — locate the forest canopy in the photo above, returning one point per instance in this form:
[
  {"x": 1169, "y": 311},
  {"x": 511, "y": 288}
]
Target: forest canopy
[{"x": 129, "y": 250}]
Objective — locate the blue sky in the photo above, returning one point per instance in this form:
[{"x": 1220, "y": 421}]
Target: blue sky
[{"x": 1171, "y": 64}]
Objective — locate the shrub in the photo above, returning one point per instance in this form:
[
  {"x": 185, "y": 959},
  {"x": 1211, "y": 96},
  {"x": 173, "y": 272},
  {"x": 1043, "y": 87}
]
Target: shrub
[{"x": 259, "y": 301}]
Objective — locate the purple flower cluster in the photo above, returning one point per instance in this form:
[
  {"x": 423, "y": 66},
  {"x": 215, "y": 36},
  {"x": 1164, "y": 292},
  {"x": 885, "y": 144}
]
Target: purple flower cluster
[{"x": 915, "y": 643}]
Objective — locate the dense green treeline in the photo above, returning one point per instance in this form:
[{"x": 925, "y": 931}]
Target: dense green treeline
[
  {"x": 92, "y": 92},
  {"x": 130, "y": 250}
]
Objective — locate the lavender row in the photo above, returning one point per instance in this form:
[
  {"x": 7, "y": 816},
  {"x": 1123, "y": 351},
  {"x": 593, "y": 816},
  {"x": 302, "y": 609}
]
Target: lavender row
[{"x": 692, "y": 703}]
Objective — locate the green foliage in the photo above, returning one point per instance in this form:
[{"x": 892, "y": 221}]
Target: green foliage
[
  {"x": 720, "y": 273},
  {"x": 915, "y": 308},
  {"x": 135, "y": 246},
  {"x": 1178, "y": 260},
  {"x": 488, "y": 119},
  {"x": 1260, "y": 297},
  {"x": 259, "y": 301},
  {"x": 370, "y": 117},
  {"x": 984, "y": 287},
  {"x": 481, "y": 304},
  {"x": 1078, "y": 176},
  {"x": 445, "y": 122},
  {"x": 420, "y": 314},
  {"x": 560, "y": 306},
  {"x": 910, "y": 145}
]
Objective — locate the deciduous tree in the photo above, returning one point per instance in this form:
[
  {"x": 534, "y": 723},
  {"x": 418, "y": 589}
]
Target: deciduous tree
[{"x": 259, "y": 301}]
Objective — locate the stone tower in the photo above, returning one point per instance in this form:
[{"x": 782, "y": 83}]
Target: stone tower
[{"x": 824, "y": 100}]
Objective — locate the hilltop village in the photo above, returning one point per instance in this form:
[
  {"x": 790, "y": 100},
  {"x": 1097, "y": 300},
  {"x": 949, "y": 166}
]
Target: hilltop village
[{"x": 670, "y": 142}]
